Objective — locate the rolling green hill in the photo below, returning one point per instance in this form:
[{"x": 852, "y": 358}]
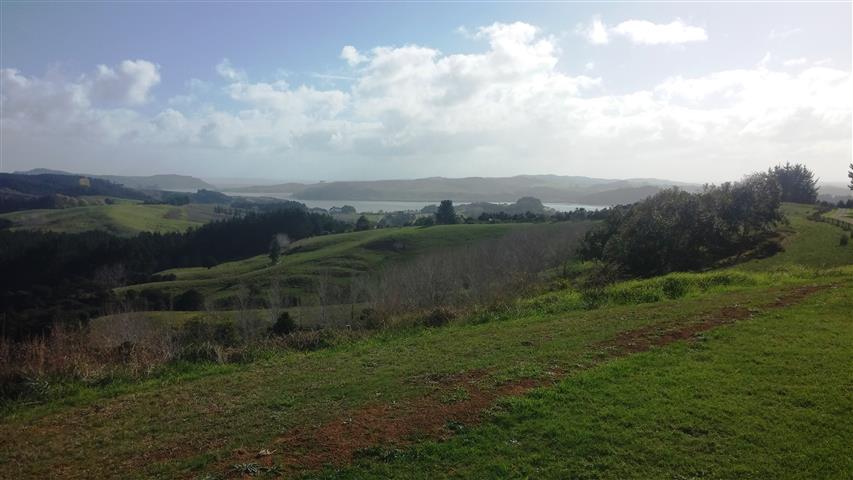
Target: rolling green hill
[
  {"x": 123, "y": 218},
  {"x": 340, "y": 255},
  {"x": 735, "y": 373}
]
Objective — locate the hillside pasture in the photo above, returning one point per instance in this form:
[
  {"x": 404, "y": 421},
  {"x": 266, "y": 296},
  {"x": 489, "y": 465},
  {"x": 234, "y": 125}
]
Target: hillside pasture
[
  {"x": 124, "y": 218},
  {"x": 337, "y": 258}
]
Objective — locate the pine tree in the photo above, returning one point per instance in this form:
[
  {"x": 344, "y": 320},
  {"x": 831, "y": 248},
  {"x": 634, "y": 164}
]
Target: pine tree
[
  {"x": 275, "y": 250},
  {"x": 362, "y": 223},
  {"x": 446, "y": 214},
  {"x": 850, "y": 174},
  {"x": 797, "y": 182}
]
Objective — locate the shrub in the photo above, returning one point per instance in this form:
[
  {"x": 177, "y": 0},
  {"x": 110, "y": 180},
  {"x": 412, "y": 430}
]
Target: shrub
[
  {"x": 593, "y": 298},
  {"x": 438, "y": 317},
  {"x": 674, "y": 287},
  {"x": 844, "y": 240},
  {"x": 283, "y": 325},
  {"x": 191, "y": 300}
]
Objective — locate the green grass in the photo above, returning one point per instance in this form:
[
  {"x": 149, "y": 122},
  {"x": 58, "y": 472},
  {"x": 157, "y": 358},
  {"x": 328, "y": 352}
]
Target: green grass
[
  {"x": 124, "y": 218},
  {"x": 843, "y": 214},
  {"x": 342, "y": 255},
  {"x": 195, "y": 410},
  {"x": 808, "y": 244},
  {"x": 767, "y": 397}
]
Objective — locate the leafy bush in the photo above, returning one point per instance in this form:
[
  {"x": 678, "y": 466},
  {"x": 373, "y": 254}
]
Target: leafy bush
[
  {"x": 191, "y": 300},
  {"x": 283, "y": 325},
  {"x": 674, "y": 287},
  {"x": 844, "y": 240}
]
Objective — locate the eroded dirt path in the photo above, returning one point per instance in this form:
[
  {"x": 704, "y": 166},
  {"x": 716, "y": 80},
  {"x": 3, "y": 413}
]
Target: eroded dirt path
[{"x": 460, "y": 400}]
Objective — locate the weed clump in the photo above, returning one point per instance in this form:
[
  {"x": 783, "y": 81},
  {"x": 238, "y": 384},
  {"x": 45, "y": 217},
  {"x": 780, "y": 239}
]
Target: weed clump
[
  {"x": 674, "y": 287},
  {"x": 439, "y": 317},
  {"x": 369, "y": 319}
]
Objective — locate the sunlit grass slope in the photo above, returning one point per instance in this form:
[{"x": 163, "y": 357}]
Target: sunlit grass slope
[
  {"x": 341, "y": 255},
  {"x": 124, "y": 218}
]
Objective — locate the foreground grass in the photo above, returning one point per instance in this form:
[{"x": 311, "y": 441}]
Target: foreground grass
[
  {"x": 765, "y": 398},
  {"x": 125, "y": 218},
  {"x": 176, "y": 425}
]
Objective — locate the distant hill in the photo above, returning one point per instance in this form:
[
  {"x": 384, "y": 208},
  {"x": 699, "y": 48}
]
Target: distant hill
[
  {"x": 50, "y": 190},
  {"x": 834, "y": 192},
  {"x": 289, "y": 188},
  {"x": 548, "y": 188},
  {"x": 151, "y": 182},
  {"x": 622, "y": 195}
]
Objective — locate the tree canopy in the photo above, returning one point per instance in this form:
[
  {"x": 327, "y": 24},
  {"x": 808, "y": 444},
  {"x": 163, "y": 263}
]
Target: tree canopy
[
  {"x": 446, "y": 214},
  {"x": 675, "y": 230},
  {"x": 797, "y": 182},
  {"x": 362, "y": 223},
  {"x": 850, "y": 174}
]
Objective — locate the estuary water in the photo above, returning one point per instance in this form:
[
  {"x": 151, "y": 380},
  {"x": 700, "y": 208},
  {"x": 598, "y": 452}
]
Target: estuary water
[{"x": 391, "y": 206}]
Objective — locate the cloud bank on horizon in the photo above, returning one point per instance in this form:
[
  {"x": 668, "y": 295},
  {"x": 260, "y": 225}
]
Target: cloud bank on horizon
[{"x": 412, "y": 110}]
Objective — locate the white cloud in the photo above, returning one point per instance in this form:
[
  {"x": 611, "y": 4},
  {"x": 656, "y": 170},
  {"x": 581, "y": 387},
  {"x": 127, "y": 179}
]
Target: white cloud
[
  {"x": 795, "y": 62},
  {"x": 351, "y": 55},
  {"x": 647, "y": 33},
  {"x": 226, "y": 71},
  {"x": 413, "y": 110},
  {"x": 596, "y": 32},
  {"x": 784, "y": 33},
  {"x": 644, "y": 32},
  {"x": 129, "y": 83}
]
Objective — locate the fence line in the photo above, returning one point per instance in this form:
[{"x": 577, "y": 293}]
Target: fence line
[{"x": 835, "y": 221}]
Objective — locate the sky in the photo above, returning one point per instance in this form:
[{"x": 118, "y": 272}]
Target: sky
[{"x": 697, "y": 92}]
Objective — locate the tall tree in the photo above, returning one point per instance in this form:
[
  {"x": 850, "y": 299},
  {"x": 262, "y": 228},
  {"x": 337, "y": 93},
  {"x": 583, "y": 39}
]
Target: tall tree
[
  {"x": 275, "y": 250},
  {"x": 797, "y": 182},
  {"x": 362, "y": 223},
  {"x": 850, "y": 174},
  {"x": 446, "y": 214}
]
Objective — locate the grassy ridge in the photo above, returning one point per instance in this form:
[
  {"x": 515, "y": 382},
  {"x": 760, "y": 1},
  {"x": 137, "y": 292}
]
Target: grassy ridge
[
  {"x": 807, "y": 244},
  {"x": 124, "y": 218},
  {"x": 342, "y": 255}
]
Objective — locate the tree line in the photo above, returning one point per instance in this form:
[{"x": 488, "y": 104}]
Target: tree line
[
  {"x": 49, "y": 275},
  {"x": 677, "y": 231}
]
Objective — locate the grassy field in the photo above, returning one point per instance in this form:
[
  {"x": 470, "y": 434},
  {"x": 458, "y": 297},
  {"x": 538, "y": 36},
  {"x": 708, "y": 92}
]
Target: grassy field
[
  {"x": 807, "y": 244},
  {"x": 738, "y": 373},
  {"x": 123, "y": 218},
  {"x": 341, "y": 255},
  {"x": 843, "y": 214}
]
